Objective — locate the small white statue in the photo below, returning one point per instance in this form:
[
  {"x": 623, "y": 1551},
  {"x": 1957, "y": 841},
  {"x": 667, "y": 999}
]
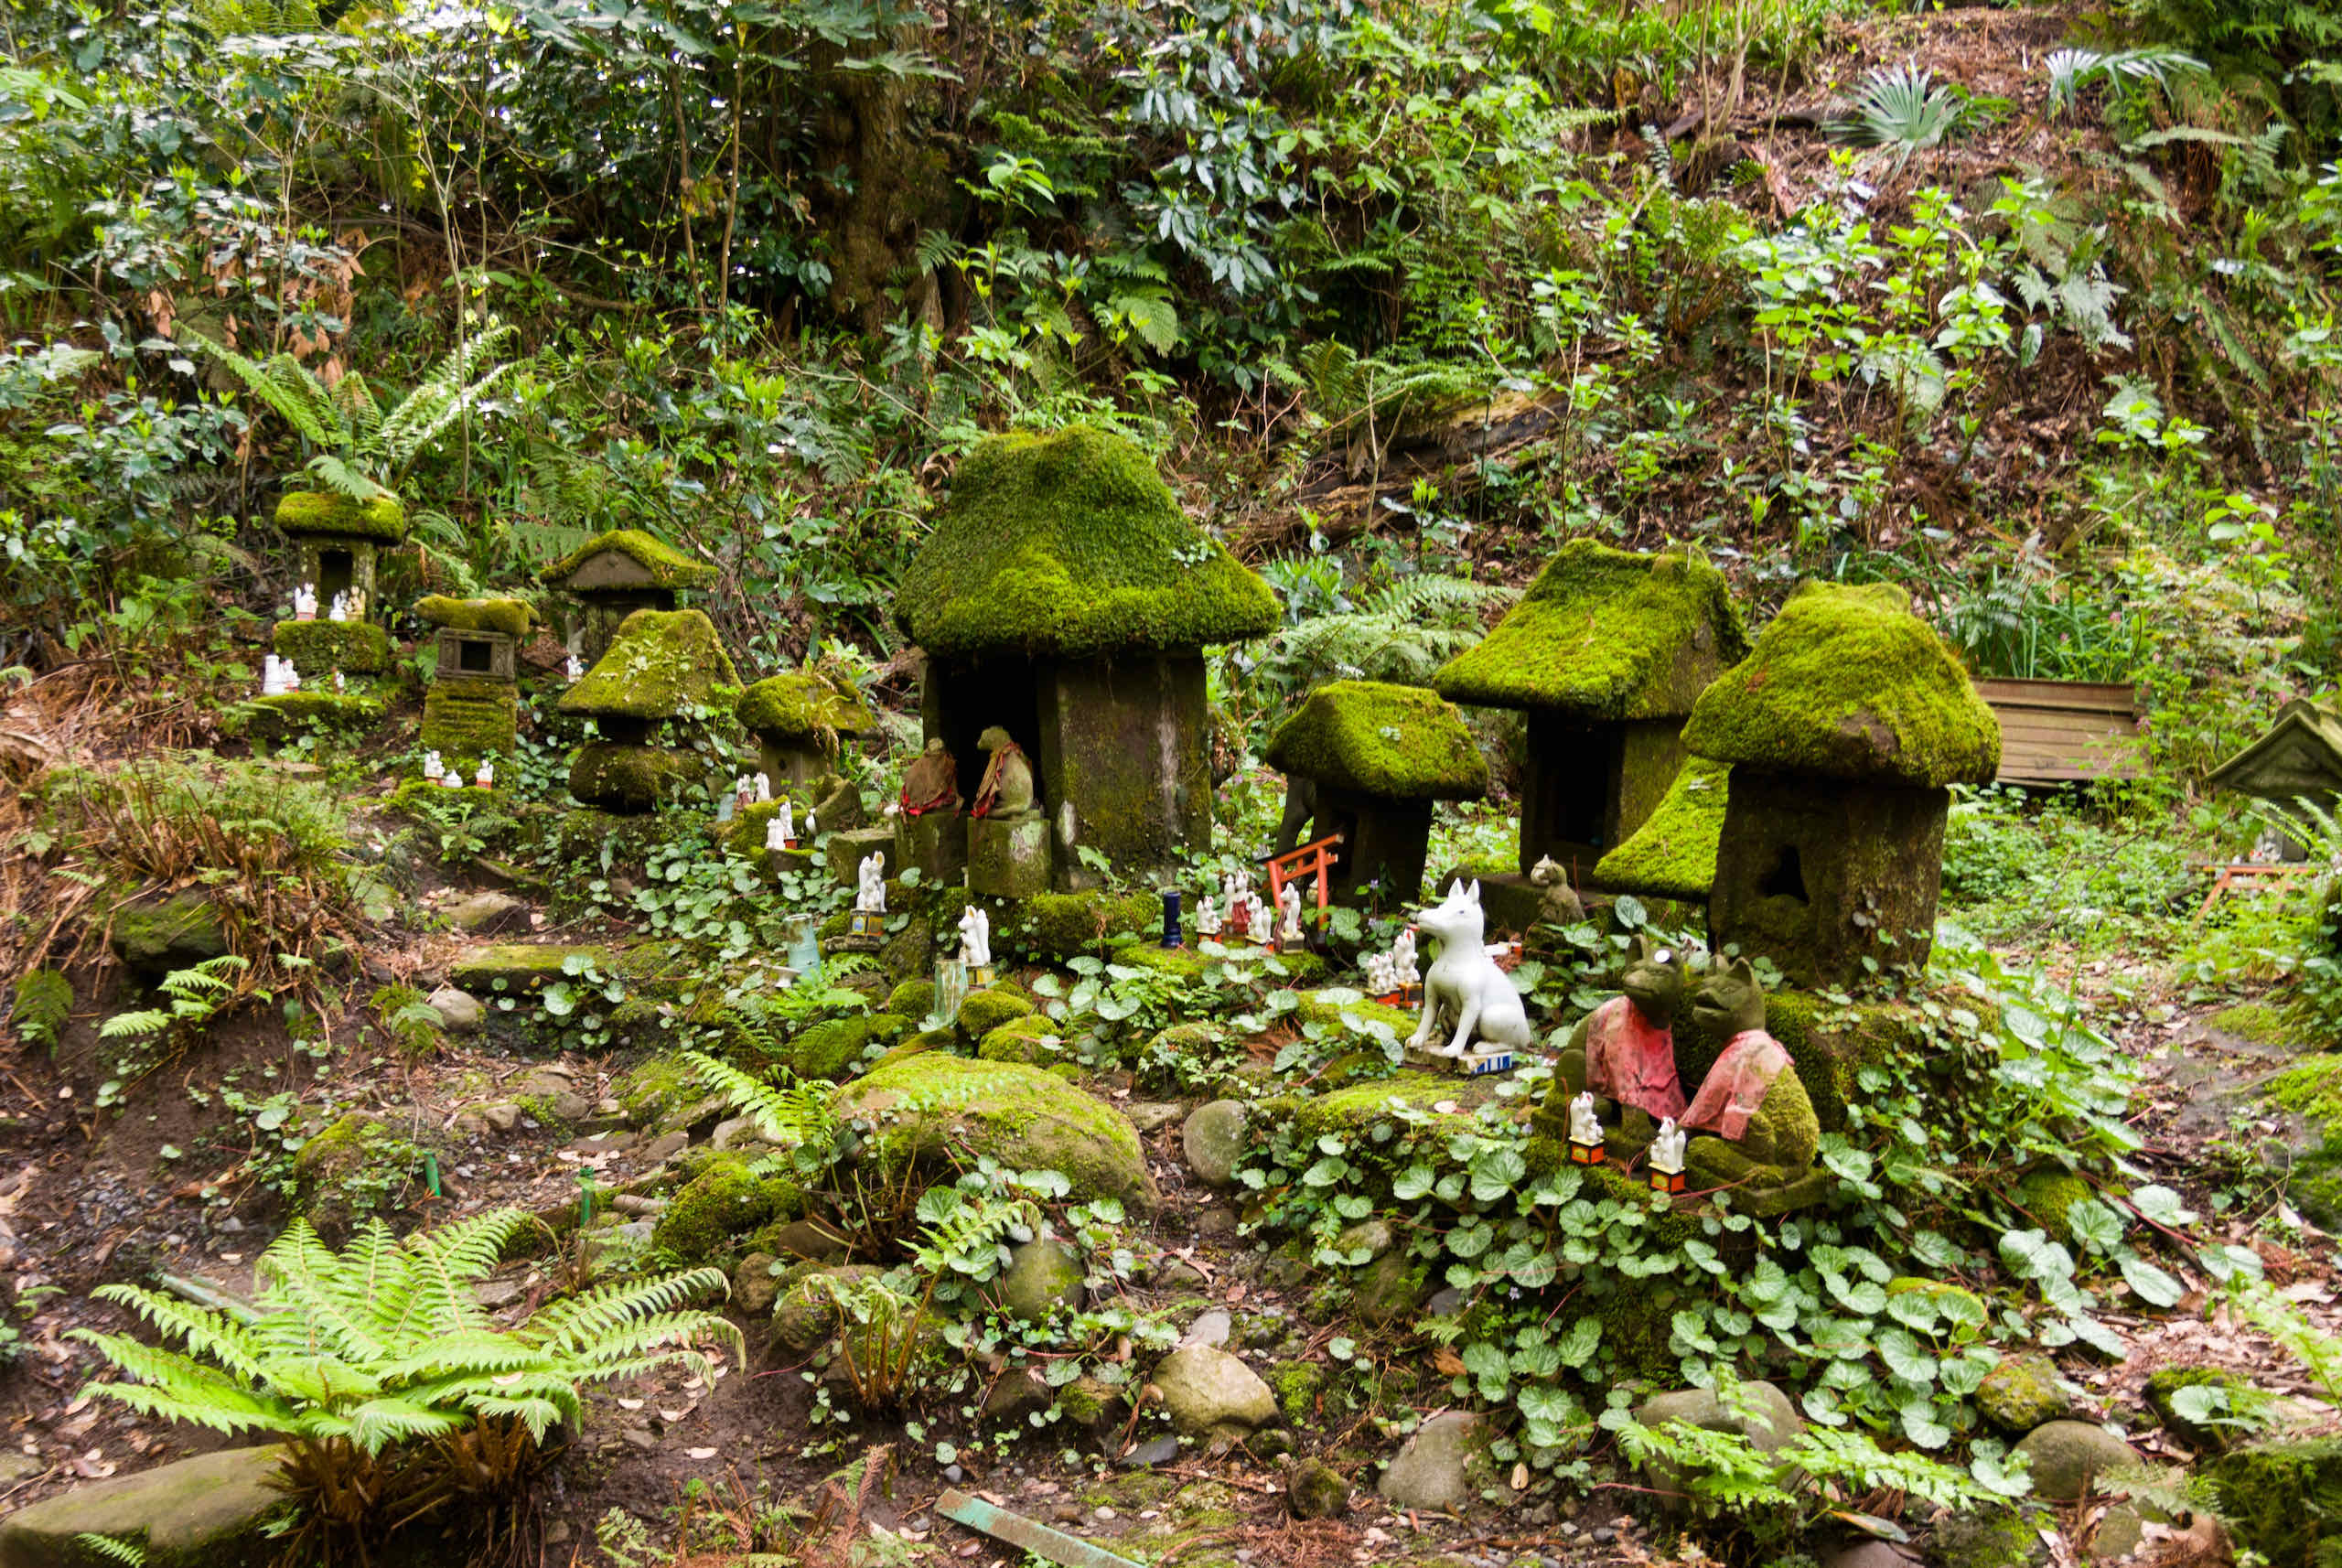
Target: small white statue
[
  {"x": 1666, "y": 1149},
  {"x": 975, "y": 937},
  {"x": 1584, "y": 1128},
  {"x": 272, "y": 676},
  {"x": 340, "y": 608},
  {"x": 1206, "y": 916},
  {"x": 305, "y": 602},
  {"x": 784, "y": 820},
  {"x": 1465, "y": 995},
  {"x": 451, "y": 780},
  {"x": 1256, "y": 919},
  {"x": 775, "y": 836},
  {"x": 357, "y": 605},
  {"x": 431, "y": 766},
  {"x": 485, "y": 777},
  {"x": 292, "y": 676},
  {"x": 340, "y": 686},
  {"x": 809, "y": 827},
  {"x": 1289, "y": 905},
  {"x": 1377, "y": 973},
  {"x": 1403, "y": 958},
  {"x": 744, "y": 794},
  {"x": 870, "y": 891},
  {"x": 764, "y": 788},
  {"x": 574, "y": 668}
]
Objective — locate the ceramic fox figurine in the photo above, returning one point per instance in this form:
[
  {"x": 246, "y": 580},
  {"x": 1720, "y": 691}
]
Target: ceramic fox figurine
[{"x": 1464, "y": 991}]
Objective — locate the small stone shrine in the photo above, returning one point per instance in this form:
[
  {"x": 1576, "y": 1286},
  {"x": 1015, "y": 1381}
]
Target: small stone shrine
[
  {"x": 1843, "y": 728},
  {"x": 1064, "y": 599},
  {"x": 802, "y": 721},
  {"x": 472, "y": 708},
  {"x": 662, "y": 665},
  {"x": 613, "y": 574},
  {"x": 1371, "y": 758},
  {"x": 1604, "y": 655},
  {"x": 336, "y": 538},
  {"x": 2300, "y": 758}
]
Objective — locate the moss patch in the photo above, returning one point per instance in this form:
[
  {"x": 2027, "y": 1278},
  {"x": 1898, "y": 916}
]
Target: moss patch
[
  {"x": 2166, "y": 1381},
  {"x": 1846, "y": 682},
  {"x": 1290, "y": 968},
  {"x": 913, "y": 999},
  {"x": 1606, "y": 634},
  {"x": 290, "y": 713},
  {"x": 470, "y": 719},
  {"x": 1673, "y": 853},
  {"x": 1066, "y": 925},
  {"x": 2262, "y": 1023},
  {"x": 2047, "y": 1195},
  {"x": 511, "y": 616},
  {"x": 514, "y": 968},
  {"x": 667, "y": 566},
  {"x": 834, "y": 1048},
  {"x": 662, "y": 664},
  {"x": 2283, "y": 1500},
  {"x": 803, "y": 707},
  {"x": 1401, "y": 743},
  {"x": 331, "y": 513},
  {"x": 942, "y": 1110},
  {"x": 1070, "y": 544},
  {"x": 350, "y": 1171},
  {"x": 1032, "y": 1039},
  {"x": 724, "y": 1202},
  {"x": 984, "y": 1011},
  {"x": 318, "y": 647}
]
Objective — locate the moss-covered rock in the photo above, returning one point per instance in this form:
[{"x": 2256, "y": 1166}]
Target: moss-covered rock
[
  {"x": 2165, "y": 1384},
  {"x": 1606, "y": 634},
  {"x": 318, "y": 647},
  {"x": 2020, "y": 1393},
  {"x": 808, "y": 1312},
  {"x": 2283, "y": 1499},
  {"x": 335, "y": 515},
  {"x": 1067, "y": 925},
  {"x": 1847, "y": 683},
  {"x": 835, "y": 1048},
  {"x": 1400, "y": 743},
  {"x": 1249, "y": 964},
  {"x": 40, "y": 1006},
  {"x": 913, "y": 999},
  {"x": 1297, "y": 1385},
  {"x": 159, "y": 935},
  {"x": 662, "y": 664},
  {"x": 215, "y": 1510},
  {"x": 1069, "y": 544},
  {"x": 1673, "y": 853},
  {"x": 2047, "y": 1195},
  {"x": 653, "y": 1090},
  {"x": 1350, "y": 1009},
  {"x": 352, "y": 1169},
  {"x": 933, "y": 1108},
  {"x": 803, "y": 707},
  {"x": 465, "y": 721},
  {"x": 633, "y": 780},
  {"x": 1032, "y": 1038},
  {"x": 304, "y": 711},
  {"x": 511, "y": 969},
  {"x": 511, "y": 616},
  {"x": 1314, "y": 1490},
  {"x": 984, "y": 1011},
  {"x": 706, "y": 1220},
  {"x": 666, "y": 566}
]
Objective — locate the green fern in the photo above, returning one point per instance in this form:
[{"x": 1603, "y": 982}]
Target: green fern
[
  {"x": 794, "y": 1115},
  {"x": 1401, "y": 634},
  {"x": 128, "y": 1552},
  {"x": 194, "y": 995}
]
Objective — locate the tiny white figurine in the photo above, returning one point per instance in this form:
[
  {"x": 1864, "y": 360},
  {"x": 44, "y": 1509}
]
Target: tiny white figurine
[
  {"x": 1289, "y": 905},
  {"x": 1667, "y": 1148},
  {"x": 764, "y": 788},
  {"x": 1464, "y": 991},
  {"x": 272, "y": 676},
  {"x": 292, "y": 676},
  {"x": 1256, "y": 917},
  {"x": 451, "y": 780},
  {"x": 809, "y": 827},
  {"x": 975, "y": 937},
  {"x": 355, "y": 604},
  {"x": 304, "y": 603},
  {"x": 870, "y": 891},
  {"x": 776, "y": 838},
  {"x": 485, "y": 777},
  {"x": 1584, "y": 1128},
  {"x": 574, "y": 669},
  {"x": 431, "y": 766},
  {"x": 1403, "y": 958},
  {"x": 784, "y": 825},
  {"x": 1206, "y": 916},
  {"x": 340, "y": 686},
  {"x": 340, "y": 608},
  {"x": 744, "y": 794},
  {"x": 1377, "y": 973}
]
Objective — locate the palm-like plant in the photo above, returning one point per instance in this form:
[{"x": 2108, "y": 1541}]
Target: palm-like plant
[
  {"x": 380, "y": 1370},
  {"x": 1901, "y": 107},
  {"x": 358, "y": 448}
]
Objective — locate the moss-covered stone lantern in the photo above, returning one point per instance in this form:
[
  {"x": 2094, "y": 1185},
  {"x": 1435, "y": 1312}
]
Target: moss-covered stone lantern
[
  {"x": 1843, "y": 728},
  {"x": 1604, "y": 655},
  {"x": 473, "y": 707},
  {"x": 662, "y": 665},
  {"x": 1379, "y": 755},
  {"x": 800, "y": 721},
  {"x": 1064, "y": 598},
  {"x": 336, "y": 538},
  {"x": 2300, "y": 758},
  {"x": 613, "y": 574}
]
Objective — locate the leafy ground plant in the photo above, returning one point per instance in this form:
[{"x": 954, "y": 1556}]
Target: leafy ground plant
[{"x": 398, "y": 1402}]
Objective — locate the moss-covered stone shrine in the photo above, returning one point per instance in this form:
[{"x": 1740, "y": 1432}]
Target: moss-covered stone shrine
[
  {"x": 473, "y": 707},
  {"x": 1064, "y": 598},
  {"x": 1371, "y": 759},
  {"x": 613, "y": 574},
  {"x": 336, "y": 538},
  {"x": 801, "y": 721},
  {"x": 663, "y": 665},
  {"x": 1843, "y": 729},
  {"x": 2299, "y": 758},
  {"x": 1604, "y": 655}
]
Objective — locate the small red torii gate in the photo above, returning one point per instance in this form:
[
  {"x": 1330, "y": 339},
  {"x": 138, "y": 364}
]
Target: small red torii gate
[{"x": 1316, "y": 858}]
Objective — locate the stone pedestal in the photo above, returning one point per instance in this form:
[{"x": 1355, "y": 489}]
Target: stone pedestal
[
  {"x": 1008, "y": 857},
  {"x": 848, "y": 850},
  {"x": 629, "y": 779},
  {"x": 470, "y": 719},
  {"x": 936, "y": 843}
]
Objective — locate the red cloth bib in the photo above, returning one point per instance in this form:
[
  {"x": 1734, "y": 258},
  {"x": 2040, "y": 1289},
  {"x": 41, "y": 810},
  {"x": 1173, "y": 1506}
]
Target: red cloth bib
[
  {"x": 1735, "y": 1086},
  {"x": 1630, "y": 1060}
]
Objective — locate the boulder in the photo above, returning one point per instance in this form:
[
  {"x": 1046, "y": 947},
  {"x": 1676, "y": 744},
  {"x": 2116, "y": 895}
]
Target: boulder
[
  {"x": 1213, "y": 1137},
  {"x": 177, "y": 932},
  {"x": 1432, "y": 1470},
  {"x": 1316, "y": 1490},
  {"x": 1388, "y": 1290},
  {"x": 2069, "y": 1455},
  {"x": 941, "y": 1109},
  {"x": 1204, "y": 1387},
  {"x": 206, "y": 1511},
  {"x": 1043, "y": 1275},
  {"x": 1771, "y": 1423},
  {"x": 484, "y": 910},
  {"x": 2021, "y": 1393},
  {"x": 754, "y": 1288},
  {"x": 459, "y": 1011},
  {"x": 807, "y": 1313}
]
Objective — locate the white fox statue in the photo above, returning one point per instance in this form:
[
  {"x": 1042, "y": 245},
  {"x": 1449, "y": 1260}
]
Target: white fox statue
[{"x": 1464, "y": 991}]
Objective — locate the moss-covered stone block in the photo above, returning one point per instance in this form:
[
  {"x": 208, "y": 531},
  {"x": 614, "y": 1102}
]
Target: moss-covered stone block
[
  {"x": 304, "y": 713},
  {"x": 318, "y": 647},
  {"x": 214, "y": 1511},
  {"x": 1387, "y": 742},
  {"x": 1251, "y": 964},
  {"x": 936, "y": 843},
  {"x": 511, "y": 618},
  {"x": 705, "y": 1221},
  {"x": 1008, "y": 857},
  {"x": 329, "y": 513},
  {"x": 938, "y": 1109},
  {"x": 843, "y": 852},
  {"x": 1066, "y": 925},
  {"x": 632, "y": 779},
  {"x": 156, "y": 935},
  {"x": 1673, "y": 853},
  {"x": 465, "y": 721},
  {"x": 513, "y": 969}
]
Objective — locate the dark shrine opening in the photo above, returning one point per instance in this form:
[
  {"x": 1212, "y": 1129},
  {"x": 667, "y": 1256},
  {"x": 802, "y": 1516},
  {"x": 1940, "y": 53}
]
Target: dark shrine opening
[
  {"x": 337, "y": 569},
  {"x": 962, "y": 700},
  {"x": 475, "y": 655},
  {"x": 1787, "y": 878}
]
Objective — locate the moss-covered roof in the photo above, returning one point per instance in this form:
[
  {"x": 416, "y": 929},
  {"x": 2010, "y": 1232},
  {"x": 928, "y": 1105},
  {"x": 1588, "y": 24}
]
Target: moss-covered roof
[
  {"x": 1846, "y": 682},
  {"x": 508, "y": 615},
  {"x": 802, "y": 704},
  {"x": 660, "y": 663},
  {"x": 335, "y": 515},
  {"x": 1071, "y": 544},
  {"x": 1606, "y": 634},
  {"x": 1398, "y": 742},
  {"x": 668, "y": 567},
  {"x": 1673, "y": 853}
]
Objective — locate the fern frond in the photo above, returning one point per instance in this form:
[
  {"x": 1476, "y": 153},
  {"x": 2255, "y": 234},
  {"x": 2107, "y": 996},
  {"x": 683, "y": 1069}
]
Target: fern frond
[
  {"x": 787, "y": 1113},
  {"x": 128, "y": 1552},
  {"x": 204, "y": 1332},
  {"x": 288, "y": 388},
  {"x": 576, "y": 1324}
]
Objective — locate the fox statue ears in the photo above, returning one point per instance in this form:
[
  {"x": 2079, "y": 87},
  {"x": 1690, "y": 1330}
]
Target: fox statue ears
[
  {"x": 1468, "y": 894},
  {"x": 1742, "y": 970}
]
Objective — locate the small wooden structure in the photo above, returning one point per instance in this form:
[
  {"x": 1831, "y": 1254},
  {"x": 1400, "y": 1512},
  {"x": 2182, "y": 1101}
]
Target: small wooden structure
[
  {"x": 2300, "y": 758},
  {"x": 2066, "y": 732}
]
